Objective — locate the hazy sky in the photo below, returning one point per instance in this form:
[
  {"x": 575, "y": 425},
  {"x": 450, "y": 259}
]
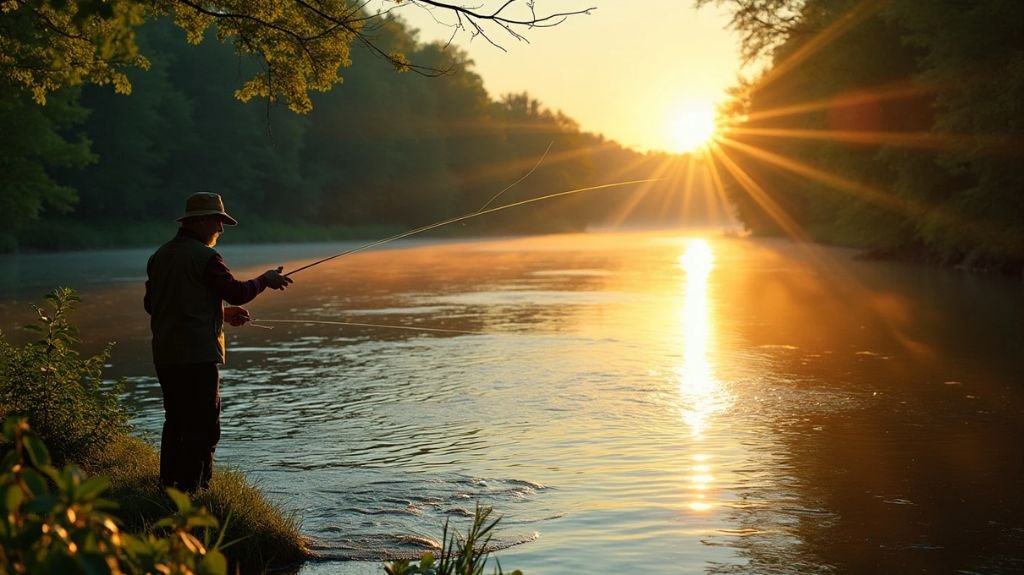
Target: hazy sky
[{"x": 624, "y": 71}]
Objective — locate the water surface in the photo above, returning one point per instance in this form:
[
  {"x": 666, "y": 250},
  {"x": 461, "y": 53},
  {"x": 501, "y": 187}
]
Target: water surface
[{"x": 647, "y": 402}]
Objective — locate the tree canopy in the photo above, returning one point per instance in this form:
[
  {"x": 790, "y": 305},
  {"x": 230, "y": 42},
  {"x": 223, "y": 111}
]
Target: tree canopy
[
  {"x": 301, "y": 46},
  {"x": 891, "y": 125},
  {"x": 387, "y": 152}
]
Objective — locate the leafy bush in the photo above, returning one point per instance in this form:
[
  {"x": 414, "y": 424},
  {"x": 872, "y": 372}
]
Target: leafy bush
[
  {"x": 60, "y": 393},
  {"x": 56, "y": 522},
  {"x": 459, "y": 555}
]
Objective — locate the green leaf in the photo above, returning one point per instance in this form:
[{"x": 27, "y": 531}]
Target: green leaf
[
  {"x": 42, "y": 504},
  {"x": 35, "y": 481},
  {"x": 10, "y": 460},
  {"x": 37, "y": 452},
  {"x": 51, "y": 472},
  {"x": 101, "y": 503},
  {"x": 166, "y": 522},
  {"x": 92, "y": 487},
  {"x": 11, "y": 427},
  {"x": 181, "y": 501},
  {"x": 204, "y": 520},
  {"x": 13, "y": 498},
  {"x": 93, "y": 563},
  {"x": 213, "y": 563}
]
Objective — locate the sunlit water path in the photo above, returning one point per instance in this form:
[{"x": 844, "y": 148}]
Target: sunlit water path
[{"x": 647, "y": 402}]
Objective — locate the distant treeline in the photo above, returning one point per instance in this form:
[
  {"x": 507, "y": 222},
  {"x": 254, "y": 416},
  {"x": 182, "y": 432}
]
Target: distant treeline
[
  {"x": 383, "y": 151},
  {"x": 896, "y": 126}
]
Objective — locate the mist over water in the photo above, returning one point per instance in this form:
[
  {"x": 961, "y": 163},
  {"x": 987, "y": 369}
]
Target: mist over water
[{"x": 648, "y": 402}]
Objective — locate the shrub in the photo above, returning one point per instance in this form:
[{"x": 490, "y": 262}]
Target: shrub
[
  {"x": 60, "y": 393},
  {"x": 57, "y": 522}
]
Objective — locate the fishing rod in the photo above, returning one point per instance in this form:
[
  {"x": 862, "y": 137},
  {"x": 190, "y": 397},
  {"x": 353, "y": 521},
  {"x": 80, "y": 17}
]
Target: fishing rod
[
  {"x": 255, "y": 323},
  {"x": 475, "y": 214},
  {"x": 390, "y": 238}
]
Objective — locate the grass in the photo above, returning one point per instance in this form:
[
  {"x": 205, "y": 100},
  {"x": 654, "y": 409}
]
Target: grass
[{"x": 260, "y": 536}]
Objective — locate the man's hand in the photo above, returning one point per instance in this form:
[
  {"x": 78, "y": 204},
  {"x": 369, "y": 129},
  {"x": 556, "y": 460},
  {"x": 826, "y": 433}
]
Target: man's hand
[
  {"x": 275, "y": 280},
  {"x": 236, "y": 316}
]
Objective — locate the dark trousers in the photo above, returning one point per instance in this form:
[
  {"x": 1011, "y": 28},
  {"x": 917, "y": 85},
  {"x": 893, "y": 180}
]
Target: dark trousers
[{"x": 191, "y": 424}]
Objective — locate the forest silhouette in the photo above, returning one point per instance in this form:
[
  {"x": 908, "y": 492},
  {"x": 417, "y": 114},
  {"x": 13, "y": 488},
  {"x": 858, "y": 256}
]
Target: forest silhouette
[{"x": 888, "y": 125}]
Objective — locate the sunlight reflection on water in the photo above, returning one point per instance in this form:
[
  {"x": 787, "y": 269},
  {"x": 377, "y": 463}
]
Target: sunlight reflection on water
[
  {"x": 701, "y": 394},
  {"x": 649, "y": 402}
]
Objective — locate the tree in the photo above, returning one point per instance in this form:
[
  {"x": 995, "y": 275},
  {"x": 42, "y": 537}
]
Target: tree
[
  {"x": 34, "y": 142},
  {"x": 302, "y": 45},
  {"x": 895, "y": 126}
]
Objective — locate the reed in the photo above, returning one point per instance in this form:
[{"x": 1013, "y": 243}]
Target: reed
[{"x": 460, "y": 554}]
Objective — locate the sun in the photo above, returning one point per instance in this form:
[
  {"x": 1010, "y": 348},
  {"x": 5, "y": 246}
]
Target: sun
[{"x": 692, "y": 126}]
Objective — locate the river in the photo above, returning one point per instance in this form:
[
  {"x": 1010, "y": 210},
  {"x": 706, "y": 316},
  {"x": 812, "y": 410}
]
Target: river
[{"x": 648, "y": 402}]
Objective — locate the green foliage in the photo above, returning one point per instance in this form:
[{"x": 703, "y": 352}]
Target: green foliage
[
  {"x": 46, "y": 45},
  {"x": 125, "y": 470},
  {"x": 35, "y": 143},
  {"x": 58, "y": 522},
  {"x": 50, "y": 44},
  {"x": 914, "y": 109},
  {"x": 459, "y": 555},
  {"x": 61, "y": 393}
]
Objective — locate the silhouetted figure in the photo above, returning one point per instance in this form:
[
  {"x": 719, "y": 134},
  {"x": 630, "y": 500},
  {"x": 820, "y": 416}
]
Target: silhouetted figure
[{"x": 186, "y": 288}]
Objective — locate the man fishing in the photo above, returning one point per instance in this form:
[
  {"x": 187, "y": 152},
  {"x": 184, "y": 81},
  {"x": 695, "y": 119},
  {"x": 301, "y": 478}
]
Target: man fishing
[{"x": 186, "y": 287}]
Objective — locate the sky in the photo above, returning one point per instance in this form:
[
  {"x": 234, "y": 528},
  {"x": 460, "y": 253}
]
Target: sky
[{"x": 628, "y": 70}]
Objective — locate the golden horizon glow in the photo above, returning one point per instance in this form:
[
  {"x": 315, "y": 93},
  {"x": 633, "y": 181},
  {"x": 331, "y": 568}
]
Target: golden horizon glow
[{"x": 693, "y": 125}]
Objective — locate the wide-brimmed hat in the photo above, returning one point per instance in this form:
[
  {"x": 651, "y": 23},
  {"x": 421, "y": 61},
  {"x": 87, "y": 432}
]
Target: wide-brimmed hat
[{"x": 206, "y": 204}]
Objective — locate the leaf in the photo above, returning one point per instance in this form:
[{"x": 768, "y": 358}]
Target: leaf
[
  {"x": 397, "y": 567},
  {"x": 13, "y": 498},
  {"x": 37, "y": 452},
  {"x": 166, "y": 522},
  {"x": 42, "y": 504},
  {"x": 194, "y": 545},
  {"x": 93, "y": 563},
  {"x": 181, "y": 501},
  {"x": 51, "y": 472},
  {"x": 12, "y": 425},
  {"x": 10, "y": 460},
  {"x": 203, "y": 520},
  {"x": 213, "y": 563},
  {"x": 105, "y": 504},
  {"x": 92, "y": 487},
  {"x": 35, "y": 482}
]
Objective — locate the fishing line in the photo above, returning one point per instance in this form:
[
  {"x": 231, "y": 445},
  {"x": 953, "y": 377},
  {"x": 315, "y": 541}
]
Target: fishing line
[
  {"x": 468, "y": 216},
  {"x": 252, "y": 323},
  {"x": 398, "y": 236},
  {"x": 526, "y": 175}
]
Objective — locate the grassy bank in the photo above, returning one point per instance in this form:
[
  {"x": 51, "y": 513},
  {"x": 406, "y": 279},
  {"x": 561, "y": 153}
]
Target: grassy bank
[
  {"x": 261, "y": 536},
  {"x": 63, "y": 398}
]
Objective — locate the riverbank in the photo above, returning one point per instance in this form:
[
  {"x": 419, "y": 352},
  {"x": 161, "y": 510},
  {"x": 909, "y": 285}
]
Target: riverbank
[
  {"x": 259, "y": 535},
  {"x": 82, "y": 420}
]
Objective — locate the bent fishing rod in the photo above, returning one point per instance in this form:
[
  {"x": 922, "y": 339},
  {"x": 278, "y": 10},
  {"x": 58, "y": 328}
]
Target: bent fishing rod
[{"x": 471, "y": 215}]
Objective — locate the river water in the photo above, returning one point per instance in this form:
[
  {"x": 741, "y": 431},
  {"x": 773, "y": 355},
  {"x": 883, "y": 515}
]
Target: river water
[{"x": 656, "y": 402}]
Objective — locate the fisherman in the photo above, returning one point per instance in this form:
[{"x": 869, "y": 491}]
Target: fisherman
[{"x": 186, "y": 287}]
